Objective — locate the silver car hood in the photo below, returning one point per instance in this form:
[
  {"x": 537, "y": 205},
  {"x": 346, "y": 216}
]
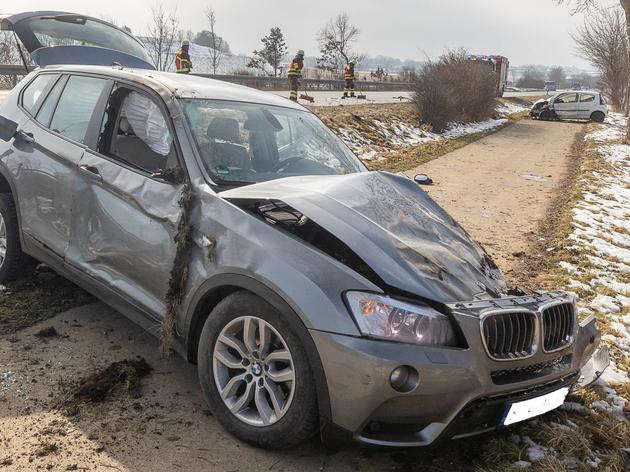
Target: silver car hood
[{"x": 411, "y": 243}]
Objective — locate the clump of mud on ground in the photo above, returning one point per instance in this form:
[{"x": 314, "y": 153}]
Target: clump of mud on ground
[{"x": 125, "y": 375}]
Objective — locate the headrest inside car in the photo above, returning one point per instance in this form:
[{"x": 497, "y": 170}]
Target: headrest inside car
[
  {"x": 224, "y": 129},
  {"x": 124, "y": 126}
]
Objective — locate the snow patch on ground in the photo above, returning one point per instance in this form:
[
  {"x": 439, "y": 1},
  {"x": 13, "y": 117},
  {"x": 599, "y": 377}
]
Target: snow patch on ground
[
  {"x": 398, "y": 134},
  {"x": 600, "y": 240},
  {"x": 613, "y": 129},
  {"x": 601, "y": 236},
  {"x": 510, "y": 108},
  {"x": 535, "y": 452}
]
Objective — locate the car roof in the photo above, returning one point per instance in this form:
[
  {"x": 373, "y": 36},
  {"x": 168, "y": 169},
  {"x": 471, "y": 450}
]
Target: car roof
[
  {"x": 184, "y": 85},
  {"x": 596, "y": 92}
]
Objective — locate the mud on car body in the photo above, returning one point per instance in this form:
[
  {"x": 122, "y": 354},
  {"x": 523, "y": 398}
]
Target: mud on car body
[{"x": 313, "y": 295}]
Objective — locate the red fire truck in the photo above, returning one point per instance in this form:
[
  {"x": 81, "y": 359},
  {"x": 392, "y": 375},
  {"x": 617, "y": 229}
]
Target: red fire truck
[{"x": 500, "y": 65}]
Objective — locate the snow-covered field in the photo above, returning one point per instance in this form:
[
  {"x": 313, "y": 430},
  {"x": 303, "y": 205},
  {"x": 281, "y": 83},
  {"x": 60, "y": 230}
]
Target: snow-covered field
[
  {"x": 602, "y": 234},
  {"x": 396, "y": 134}
]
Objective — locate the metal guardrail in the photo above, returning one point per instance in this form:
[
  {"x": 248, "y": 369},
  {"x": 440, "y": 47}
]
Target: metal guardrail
[
  {"x": 16, "y": 72},
  {"x": 316, "y": 85}
]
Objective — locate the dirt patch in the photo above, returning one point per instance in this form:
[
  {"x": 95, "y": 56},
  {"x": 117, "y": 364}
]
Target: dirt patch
[
  {"x": 99, "y": 385},
  {"x": 405, "y": 159},
  {"x": 38, "y": 295},
  {"x": 391, "y": 137},
  {"x": 500, "y": 188},
  {"x": 550, "y": 234},
  {"x": 168, "y": 427}
]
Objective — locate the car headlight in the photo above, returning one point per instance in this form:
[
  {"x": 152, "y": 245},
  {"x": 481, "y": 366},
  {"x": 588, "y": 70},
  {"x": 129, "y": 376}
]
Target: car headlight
[{"x": 394, "y": 320}]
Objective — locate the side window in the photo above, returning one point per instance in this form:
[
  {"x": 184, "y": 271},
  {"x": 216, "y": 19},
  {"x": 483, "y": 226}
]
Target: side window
[
  {"x": 136, "y": 132},
  {"x": 568, "y": 98},
  {"x": 587, "y": 97},
  {"x": 45, "y": 113},
  {"x": 33, "y": 91},
  {"x": 76, "y": 107}
]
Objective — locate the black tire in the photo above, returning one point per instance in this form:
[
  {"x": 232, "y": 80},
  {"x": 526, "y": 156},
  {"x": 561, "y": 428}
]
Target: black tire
[
  {"x": 13, "y": 262},
  {"x": 301, "y": 419},
  {"x": 598, "y": 117},
  {"x": 545, "y": 115}
]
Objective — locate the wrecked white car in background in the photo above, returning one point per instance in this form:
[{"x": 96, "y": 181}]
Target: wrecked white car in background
[
  {"x": 315, "y": 296},
  {"x": 571, "y": 106}
]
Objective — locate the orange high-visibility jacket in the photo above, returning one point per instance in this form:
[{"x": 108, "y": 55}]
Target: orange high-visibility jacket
[
  {"x": 183, "y": 64},
  {"x": 348, "y": 72},
  {"x": 295, "y": 68}
]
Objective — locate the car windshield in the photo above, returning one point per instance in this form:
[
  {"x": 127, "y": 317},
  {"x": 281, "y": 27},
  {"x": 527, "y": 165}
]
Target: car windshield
[
  {"x": 248, "y": 143},
  {"x": 73, "y": 30}
]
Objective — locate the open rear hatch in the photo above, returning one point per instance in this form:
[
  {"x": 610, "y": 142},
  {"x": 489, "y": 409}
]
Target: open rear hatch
[{"x": 56, "y": 38}]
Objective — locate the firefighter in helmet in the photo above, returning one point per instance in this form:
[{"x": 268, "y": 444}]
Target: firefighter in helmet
[
  {"x": 294, "y": 73},
  {"x": 183, "y": 64},
  {"x": 348, "y": 76}
]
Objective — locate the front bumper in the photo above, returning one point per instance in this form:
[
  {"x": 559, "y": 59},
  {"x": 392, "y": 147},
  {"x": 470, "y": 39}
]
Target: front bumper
[{"x": 458, "y": 394}]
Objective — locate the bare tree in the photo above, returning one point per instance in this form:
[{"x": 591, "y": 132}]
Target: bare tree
[
  {"x": 532, "y": 77},
  {"x": 164, "y": 32},
  {"x": 558, "y": 75},
  {"x": 603, "y": 41},
  {"x": 216, "y": 42},
  {"x": 583, "y": 5},
  {"x": 9, "y": 54},
  {"x": 335, "y": 43}
]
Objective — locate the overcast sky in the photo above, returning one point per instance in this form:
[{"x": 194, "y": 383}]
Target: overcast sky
[{"x": 526, "y": 31}]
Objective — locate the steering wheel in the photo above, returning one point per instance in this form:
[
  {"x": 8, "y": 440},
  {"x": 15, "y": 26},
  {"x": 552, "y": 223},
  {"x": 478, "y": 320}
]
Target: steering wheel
[{"x": 281, "y": 166}]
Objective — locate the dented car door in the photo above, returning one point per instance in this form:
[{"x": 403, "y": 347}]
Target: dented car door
[
  {"x": 125, "y": 218},
  {"x": 566, "y": 106},
  {"x": 46, "y": 166}
]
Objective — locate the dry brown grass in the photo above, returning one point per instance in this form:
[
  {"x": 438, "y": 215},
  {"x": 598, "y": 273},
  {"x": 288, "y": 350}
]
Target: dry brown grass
[{"x": 360, "y": 119}]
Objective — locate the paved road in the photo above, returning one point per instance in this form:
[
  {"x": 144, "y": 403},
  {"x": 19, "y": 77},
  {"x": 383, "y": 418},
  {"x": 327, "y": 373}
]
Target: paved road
[
  {"x": 334, "y": 98},
  {"x": 536, "y": 93}
]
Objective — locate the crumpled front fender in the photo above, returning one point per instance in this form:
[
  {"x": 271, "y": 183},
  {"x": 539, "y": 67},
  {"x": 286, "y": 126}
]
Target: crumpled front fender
[{"x": 595, "y": 356}]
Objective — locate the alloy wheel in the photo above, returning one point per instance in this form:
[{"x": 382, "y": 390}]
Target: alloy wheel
[
  {"x": 253, "y": 371},
  {"x": 3, "y": 240}
]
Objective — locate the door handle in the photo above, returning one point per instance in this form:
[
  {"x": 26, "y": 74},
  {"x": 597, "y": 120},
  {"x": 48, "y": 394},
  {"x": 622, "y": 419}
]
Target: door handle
[
  {"x": 26, "y": 137},
  {"x": 93, "y": 171}
]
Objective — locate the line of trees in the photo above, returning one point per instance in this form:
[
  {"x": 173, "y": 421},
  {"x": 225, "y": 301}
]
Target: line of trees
[{"x": 336, "y": 40}]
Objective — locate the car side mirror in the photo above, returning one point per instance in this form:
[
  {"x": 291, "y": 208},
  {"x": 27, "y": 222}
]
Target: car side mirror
[
  {"x": 423, "y": 179},
  {"x": 8, "y": 129}
]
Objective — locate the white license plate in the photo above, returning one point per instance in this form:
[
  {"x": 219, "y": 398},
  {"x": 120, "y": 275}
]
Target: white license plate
[{"x": 527, "y": 409}]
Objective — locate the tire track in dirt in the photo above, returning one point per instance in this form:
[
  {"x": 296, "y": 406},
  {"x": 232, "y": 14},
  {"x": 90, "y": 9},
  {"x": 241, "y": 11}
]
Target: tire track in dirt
[{"x": 500, "y": 188}]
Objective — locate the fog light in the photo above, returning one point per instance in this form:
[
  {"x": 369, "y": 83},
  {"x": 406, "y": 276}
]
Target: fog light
[{"x": 404, "y": 378}]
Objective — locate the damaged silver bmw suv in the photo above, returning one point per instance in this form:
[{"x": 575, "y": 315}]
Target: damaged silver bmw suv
[{"x": 313, "y": 295}]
